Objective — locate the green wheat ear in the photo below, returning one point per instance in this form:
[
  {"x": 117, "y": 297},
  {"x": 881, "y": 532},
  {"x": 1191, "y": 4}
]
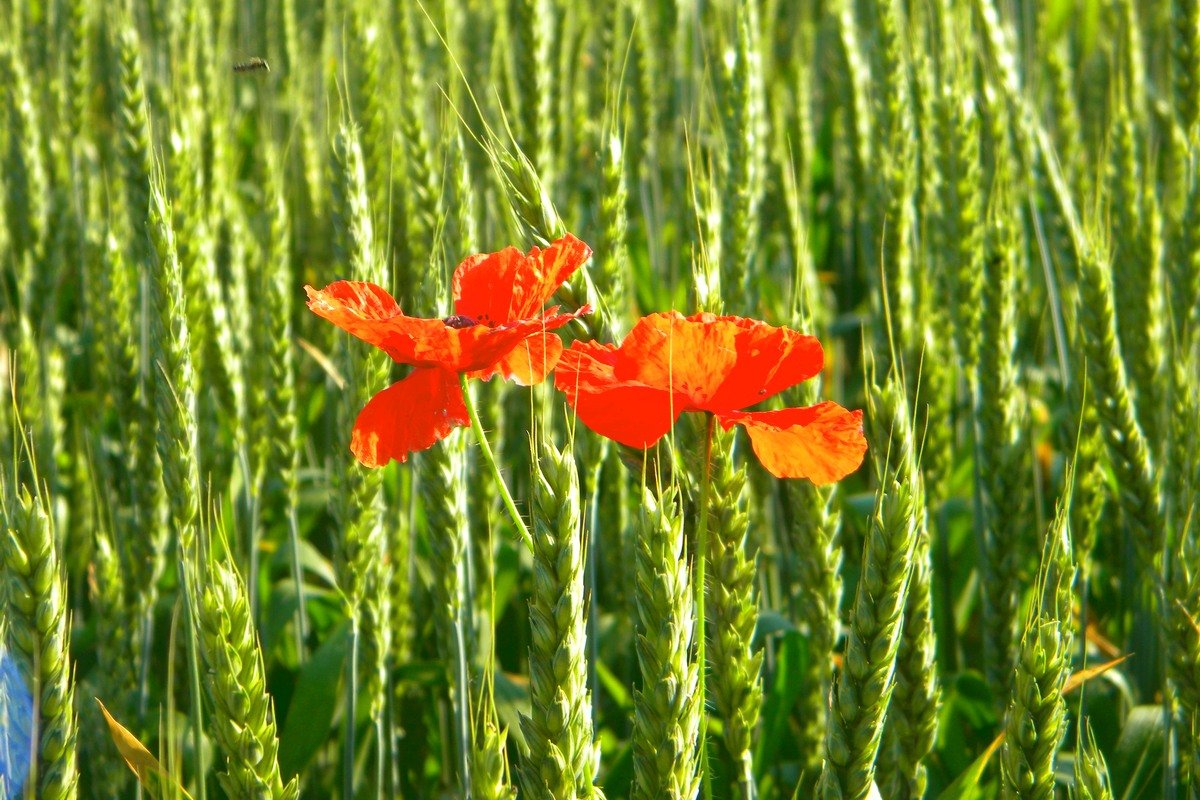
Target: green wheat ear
[
  {"x": 1001, "y": 446},
  {"x": 243, "y": 712},
  {"x": 1037, "y": 713},
  {"x": 537, "y": 222},
  {"x": 1128, "y": 451},
  {"x": 666, "y": 710},
  {"x": 33, "y": 596},
  {"x": 562, "y": 757},
  {"x": 360, "y": 555},
  {"x": 489, "y": 759},
  {"x": 1091, "y": 771},
  {"x": 864, "y": 688},
  {"x": 735, "y": 681},
  {"x": 912, "y": 718}
]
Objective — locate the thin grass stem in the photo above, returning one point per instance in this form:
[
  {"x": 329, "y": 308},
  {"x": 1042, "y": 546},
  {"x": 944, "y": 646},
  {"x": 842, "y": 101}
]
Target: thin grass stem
[
  {"x": 701, "y": 558},
  {"x": 490, "y": 458}
]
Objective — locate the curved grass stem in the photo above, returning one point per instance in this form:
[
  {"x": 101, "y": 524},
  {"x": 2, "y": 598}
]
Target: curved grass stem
[
  {"x": 490, "y": 457},
  {"x": 701, "y": 634}
]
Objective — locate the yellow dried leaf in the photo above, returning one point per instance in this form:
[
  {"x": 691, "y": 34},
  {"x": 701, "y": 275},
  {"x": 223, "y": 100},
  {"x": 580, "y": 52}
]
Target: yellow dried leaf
[
  {"x": 1082, "y": 676},
  {"x": 143, "y": 763}
]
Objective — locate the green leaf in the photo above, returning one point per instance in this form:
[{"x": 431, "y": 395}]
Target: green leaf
[
  {"x": 616, "y": 690},
  {"x": 310, "y": 716},
  {"x": 512, "y": 702},
  {"x": 780, "y": 697},
  {"x": 1136, "y": 766},
  {"x": 967, "y": 785},
  {"x": 507, "y": 575},
  {"x": 771, "y": 623}
]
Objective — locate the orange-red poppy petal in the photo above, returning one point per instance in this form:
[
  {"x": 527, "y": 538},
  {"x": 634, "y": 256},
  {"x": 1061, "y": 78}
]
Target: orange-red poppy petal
[
  {"x": 495, "y": 288},
  {"x": 627, "y": 412},
  {"x": 769, "y": 360},
  {"x": 823, "y": 443},
  {"x": 368, "y": 312},
  {"x": 483, "y": 349},
  {"x": 410, "y": 415},
  {"x": 719, "y": 363},
  {"x": 667, "y": 351},
  {"x": 529, "y": 362}
]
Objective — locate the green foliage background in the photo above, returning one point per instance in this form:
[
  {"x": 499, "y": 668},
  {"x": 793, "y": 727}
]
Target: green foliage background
[{"x": 986, "y": 210}]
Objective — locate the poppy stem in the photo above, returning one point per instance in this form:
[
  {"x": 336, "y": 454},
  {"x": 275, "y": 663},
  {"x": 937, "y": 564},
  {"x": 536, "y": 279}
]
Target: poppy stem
[
  {"x": 701, "y": 635},
  {"x": 488, "y": 456}
]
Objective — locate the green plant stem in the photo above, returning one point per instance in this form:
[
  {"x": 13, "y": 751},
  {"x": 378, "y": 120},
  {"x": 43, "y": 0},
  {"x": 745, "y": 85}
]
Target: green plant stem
[
  {"x": 351, "y": 697},
  {"x": 490, "y": 458},
  {"x": 298, "y": 578},
  {"x": 701, "y": 557},
  {"x": 193, "y": 656}
]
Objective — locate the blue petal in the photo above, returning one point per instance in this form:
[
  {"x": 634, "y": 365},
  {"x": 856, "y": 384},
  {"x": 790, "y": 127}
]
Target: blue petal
[{"x": 16, "y": 724}]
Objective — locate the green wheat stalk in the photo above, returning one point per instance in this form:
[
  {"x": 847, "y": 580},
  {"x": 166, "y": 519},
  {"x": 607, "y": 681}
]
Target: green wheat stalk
[
  {"x": 961, "y": 228},
  {"x": 667, "y": 709},
  {"x": 235, "y": 679},
  {"x": 280, "y": 459},
  {"x": 1128, "y": 452},
  {"x": 895, "y": 152},
  {"x": 1185, "y": 62},
  {"x": 174, "y": 383},
  {"x": 362, "y": 567},
  {"x": 420, "y": 177},
  {"x": 814, "y": 536},
  {"x": 1036, "y": 720},
  {"x": 1183, "y": 260},
  {"x": 540, "y": 99},
  {"x": 611, "y": 272},
  {"x": 1128, "y": 22},
  {"x": 25, "y": 180},
  {"x": 34, "y": 598},
  {"x": 562, "y": 757},
  {"x": 174, "y": 402},
  {"x": 1001, "y": 448},
  {"x": 858, "y": 77},
  {"x": 741, "y": 115},
  {"x": 912, "y": 717},
  {"x": 135, "y": 145},
  {"x": 78, "y": 67},
  {"x": 867, "y": 680},
  {"x": 443, "y": 495},
  {"x": 1091, "y": 771},
  {"x": 735, "y": 682},
  {"x": 1063, "y": 110},
  {"x": 135, "y": 383},
  {"x": 521, "y": 23},
  {"x": 935, "y": 387},
  {"x": 489, "y": 758},
  {"x": 811, "y": 532},
  {"x": 1136, "y": 270},
  {"x": 194, "y": 241},
  {"x": 536, "y": 219},
  {"x": 366, "y": 29}
]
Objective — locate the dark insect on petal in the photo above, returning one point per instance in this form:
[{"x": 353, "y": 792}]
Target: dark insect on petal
[{"x": 459, "y": 321}]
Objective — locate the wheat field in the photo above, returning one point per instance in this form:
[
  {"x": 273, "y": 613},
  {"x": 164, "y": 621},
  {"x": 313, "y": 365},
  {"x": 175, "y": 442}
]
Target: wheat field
[{"x": 986, "y": 211}]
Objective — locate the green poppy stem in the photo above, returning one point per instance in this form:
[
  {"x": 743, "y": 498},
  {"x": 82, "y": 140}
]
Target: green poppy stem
[
  {"x": 701, "y": 635},
  {"x": 490, "y": 457}
]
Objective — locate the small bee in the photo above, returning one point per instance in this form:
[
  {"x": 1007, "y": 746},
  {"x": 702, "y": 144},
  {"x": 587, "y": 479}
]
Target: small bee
[{"x": 252, "y": 65}]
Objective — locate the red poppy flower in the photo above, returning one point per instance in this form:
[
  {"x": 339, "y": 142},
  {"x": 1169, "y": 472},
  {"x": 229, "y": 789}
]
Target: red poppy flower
[
  {"x": 498, "y": 327},
  {"x": 669, "y": 364}
]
